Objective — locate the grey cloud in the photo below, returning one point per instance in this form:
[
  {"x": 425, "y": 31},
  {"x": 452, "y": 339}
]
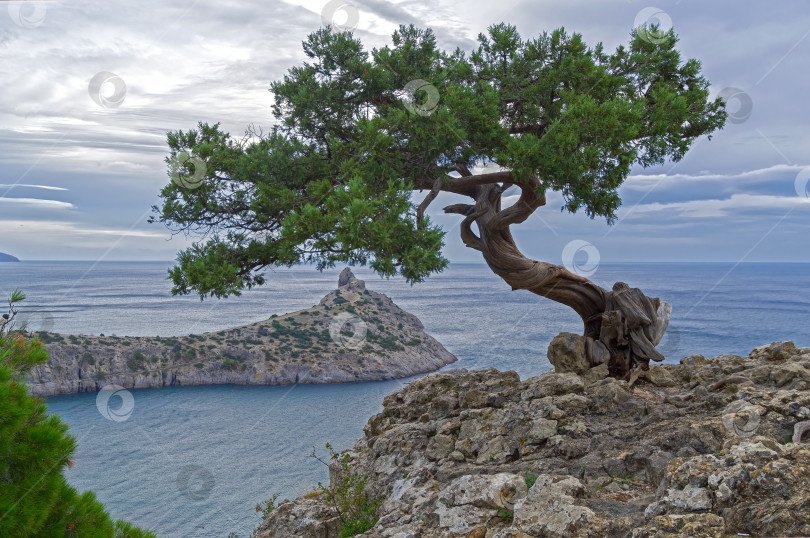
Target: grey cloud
[{"x": 214, "y": 61}]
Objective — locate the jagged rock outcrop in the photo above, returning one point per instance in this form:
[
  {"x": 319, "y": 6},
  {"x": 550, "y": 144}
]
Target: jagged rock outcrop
[
  {"x": 700, "y": 449},
  {"x": 353, "y": 334}
]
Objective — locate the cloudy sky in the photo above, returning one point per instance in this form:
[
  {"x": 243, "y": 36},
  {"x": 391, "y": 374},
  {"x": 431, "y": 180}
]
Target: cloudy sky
[{"x": 77, "y": 178}]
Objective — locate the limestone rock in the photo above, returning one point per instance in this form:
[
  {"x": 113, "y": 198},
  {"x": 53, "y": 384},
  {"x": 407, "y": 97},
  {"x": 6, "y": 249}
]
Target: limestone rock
[
  {"x": 568, "y": 353},
  {"x": 349, "y": 281},
  {"x": 597, "y": 373},
  {"x": 690, "y": 498},
  {"x": 777, "y": 351},
  {"x": 304, "y": 518},
  {"x": 485, "y": 454},
  {"x": 799, "y": 430},
  {"x": 345, "y": 276},
  {"x": 551, "y": 509},
  {"x": 660, "y": 376}
]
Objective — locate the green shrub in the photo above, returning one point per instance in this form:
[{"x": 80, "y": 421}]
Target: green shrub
[
  {"x": 264, "y": 508},
  {"x": 134, "y": 362},
  {"x": 348, "y": 497}
]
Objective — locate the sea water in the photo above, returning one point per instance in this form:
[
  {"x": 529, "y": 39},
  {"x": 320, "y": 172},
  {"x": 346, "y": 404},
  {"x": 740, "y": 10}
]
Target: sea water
[{"x": 194, "y": 461}]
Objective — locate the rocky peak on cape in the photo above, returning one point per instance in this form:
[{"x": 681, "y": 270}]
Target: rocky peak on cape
[{"x": 349, "y": 281}]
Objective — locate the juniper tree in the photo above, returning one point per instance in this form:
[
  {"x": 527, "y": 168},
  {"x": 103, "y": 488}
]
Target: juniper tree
[{"x": 358, "y": 132}]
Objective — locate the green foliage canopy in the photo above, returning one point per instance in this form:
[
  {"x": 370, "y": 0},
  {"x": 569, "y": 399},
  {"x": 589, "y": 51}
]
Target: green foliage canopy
[{"x": 333, "y": 181}]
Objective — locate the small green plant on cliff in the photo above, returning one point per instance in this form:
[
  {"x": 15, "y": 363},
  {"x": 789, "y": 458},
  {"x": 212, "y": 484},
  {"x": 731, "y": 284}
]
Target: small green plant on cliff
[
  {"x": 530, "y": 479},
  {"x": 265, "y": 507},
  {"x": 347, "y": 495},
  {"x": 505, "y": 513}
]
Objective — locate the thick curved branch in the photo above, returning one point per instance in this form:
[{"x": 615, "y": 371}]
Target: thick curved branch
[
  {"x": 528, "y": 202},
  {"x": 490, "y": 178},
  {"x": 471, "y": 214},
  {"x": 468, "y": 236},
  {"x": 466, "y": 185},
  {"x": 460, "y": 209}
]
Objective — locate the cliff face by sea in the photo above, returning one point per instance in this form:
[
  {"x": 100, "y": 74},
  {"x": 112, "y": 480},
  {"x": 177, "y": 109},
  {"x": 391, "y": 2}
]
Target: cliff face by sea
[
  {"x": 707, "y": 448},
  {"x": 353, "y": 334}
]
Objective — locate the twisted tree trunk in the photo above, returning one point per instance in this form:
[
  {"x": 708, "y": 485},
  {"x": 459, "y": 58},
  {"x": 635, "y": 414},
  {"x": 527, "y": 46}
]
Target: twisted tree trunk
[{"x": 623, "y": 325}]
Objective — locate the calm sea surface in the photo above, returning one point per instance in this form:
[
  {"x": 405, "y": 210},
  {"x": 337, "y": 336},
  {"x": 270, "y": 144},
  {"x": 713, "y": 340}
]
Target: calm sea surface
[{"x": 194, "y": 461}]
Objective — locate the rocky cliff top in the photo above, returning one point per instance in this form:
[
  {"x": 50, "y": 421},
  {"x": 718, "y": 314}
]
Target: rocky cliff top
[
  {"x": 353, "y": 334},
  {"x": 707, "y": 448}
]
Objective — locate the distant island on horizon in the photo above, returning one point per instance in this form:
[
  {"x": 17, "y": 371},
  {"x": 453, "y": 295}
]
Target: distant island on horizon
[{"x": 7, "y": 257}]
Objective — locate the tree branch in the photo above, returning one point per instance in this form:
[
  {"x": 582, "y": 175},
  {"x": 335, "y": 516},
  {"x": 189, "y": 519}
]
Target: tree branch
[
  {"x": 504, "y": 176},
  {"x": 466, "y": 185},
  {"x": 468, "y": 236},
  {"x": 528, "y": 202},
  {"x": 462, "y": 169},
  {"x": 461, "y": 209},
  {"x": 420, "y": 211}
]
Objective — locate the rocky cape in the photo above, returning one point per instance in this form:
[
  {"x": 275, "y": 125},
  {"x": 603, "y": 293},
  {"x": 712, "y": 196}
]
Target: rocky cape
[
  {"x": 707, "y": 448},
  {"x": 7, "y": 258},
  {"x": 353, "y": 334}
]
